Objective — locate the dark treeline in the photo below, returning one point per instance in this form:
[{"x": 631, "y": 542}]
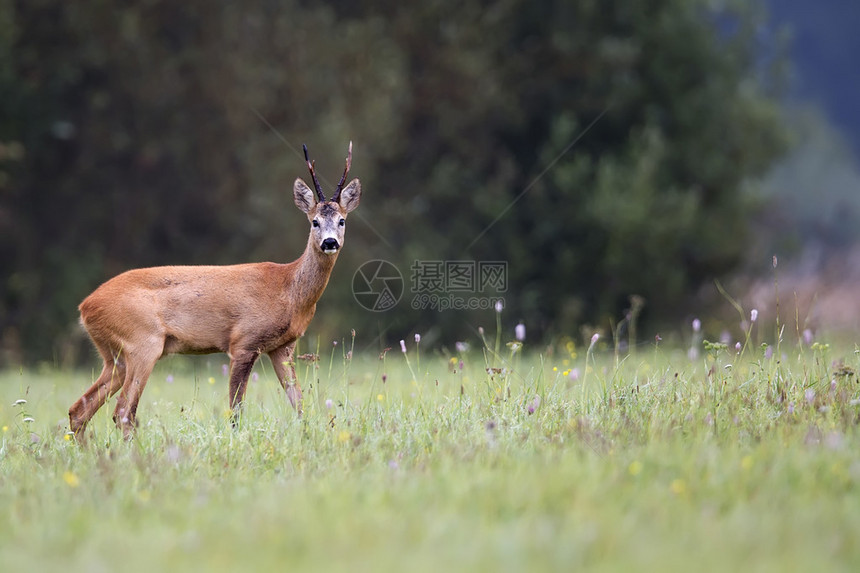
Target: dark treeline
[{"x": 138, "y": 133}]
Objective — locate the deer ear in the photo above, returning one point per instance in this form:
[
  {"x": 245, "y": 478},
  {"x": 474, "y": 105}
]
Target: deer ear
[
  {"x": 304, "y": 196},
  {"x": 350, "y": 195}
]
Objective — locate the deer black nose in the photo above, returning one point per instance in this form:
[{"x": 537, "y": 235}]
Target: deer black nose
[{"x": 330, "y": 245}]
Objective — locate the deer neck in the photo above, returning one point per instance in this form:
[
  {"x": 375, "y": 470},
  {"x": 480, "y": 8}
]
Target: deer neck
[{"x": 312, "y": 273}]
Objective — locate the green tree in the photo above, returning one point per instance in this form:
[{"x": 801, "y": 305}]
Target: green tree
[{"x": 600, "y": 148}]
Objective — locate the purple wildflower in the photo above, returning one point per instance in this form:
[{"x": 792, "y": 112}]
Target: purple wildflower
[{"x": 520, "y": 332}]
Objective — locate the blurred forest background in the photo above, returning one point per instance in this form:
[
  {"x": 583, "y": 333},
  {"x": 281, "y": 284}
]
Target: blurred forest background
[{"x": 646, "y": 148}]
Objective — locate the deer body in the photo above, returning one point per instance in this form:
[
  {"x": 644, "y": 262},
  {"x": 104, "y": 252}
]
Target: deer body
[{"x": 243, "y": 310}]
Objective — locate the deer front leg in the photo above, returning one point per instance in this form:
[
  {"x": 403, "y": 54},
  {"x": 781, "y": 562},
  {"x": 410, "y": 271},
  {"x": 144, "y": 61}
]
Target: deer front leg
[
  {"x": 283, "y": 361},
  {"x": 241, "y": 363}
]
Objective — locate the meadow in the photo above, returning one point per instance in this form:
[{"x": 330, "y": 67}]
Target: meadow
[{"x": 499, "y": 457}]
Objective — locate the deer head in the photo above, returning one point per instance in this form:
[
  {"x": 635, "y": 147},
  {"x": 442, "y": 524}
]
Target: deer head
[{"x": 327, "y": 218}]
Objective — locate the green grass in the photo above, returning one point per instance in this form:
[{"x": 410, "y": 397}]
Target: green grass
[{"x": 649, "y": 463}]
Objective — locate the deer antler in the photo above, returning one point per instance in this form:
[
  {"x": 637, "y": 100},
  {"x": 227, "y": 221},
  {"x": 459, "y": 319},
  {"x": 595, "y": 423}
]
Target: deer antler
[
  {"x": 313, "y": 174},
  {"x": 336, "y": 196}
]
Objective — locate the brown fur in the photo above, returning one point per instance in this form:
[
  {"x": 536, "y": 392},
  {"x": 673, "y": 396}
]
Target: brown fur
[{"x": 244, "y": 310}]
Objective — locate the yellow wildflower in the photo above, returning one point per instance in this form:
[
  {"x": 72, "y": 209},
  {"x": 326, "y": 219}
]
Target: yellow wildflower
[{"x": 71, "y": 479}]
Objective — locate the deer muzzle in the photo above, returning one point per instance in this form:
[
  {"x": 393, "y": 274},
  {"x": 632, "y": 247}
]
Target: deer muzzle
[{"x": 330, "y": 246}]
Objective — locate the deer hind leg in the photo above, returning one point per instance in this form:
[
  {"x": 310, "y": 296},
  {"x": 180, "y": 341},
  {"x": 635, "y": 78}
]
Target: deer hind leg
[
  {"x": 107, "y": 384},
  {"x": 139, "y": 366},
  {"x": 241, "y": 363},
  {"x": 283, "y": 361}
]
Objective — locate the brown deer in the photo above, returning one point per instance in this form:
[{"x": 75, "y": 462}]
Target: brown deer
[{"x": 244, "y": 310}]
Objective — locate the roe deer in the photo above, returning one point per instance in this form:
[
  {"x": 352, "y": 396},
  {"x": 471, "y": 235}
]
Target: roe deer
[{"x": 244, "y": 310}]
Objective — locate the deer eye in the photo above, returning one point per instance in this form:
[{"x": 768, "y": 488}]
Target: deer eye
[
  {"x": 342, "y": 222},
  {"x": 315, "y": 223}
]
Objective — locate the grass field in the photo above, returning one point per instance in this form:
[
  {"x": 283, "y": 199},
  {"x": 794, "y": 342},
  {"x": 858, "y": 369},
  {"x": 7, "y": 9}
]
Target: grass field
[{"x": 426, "y": 461}]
